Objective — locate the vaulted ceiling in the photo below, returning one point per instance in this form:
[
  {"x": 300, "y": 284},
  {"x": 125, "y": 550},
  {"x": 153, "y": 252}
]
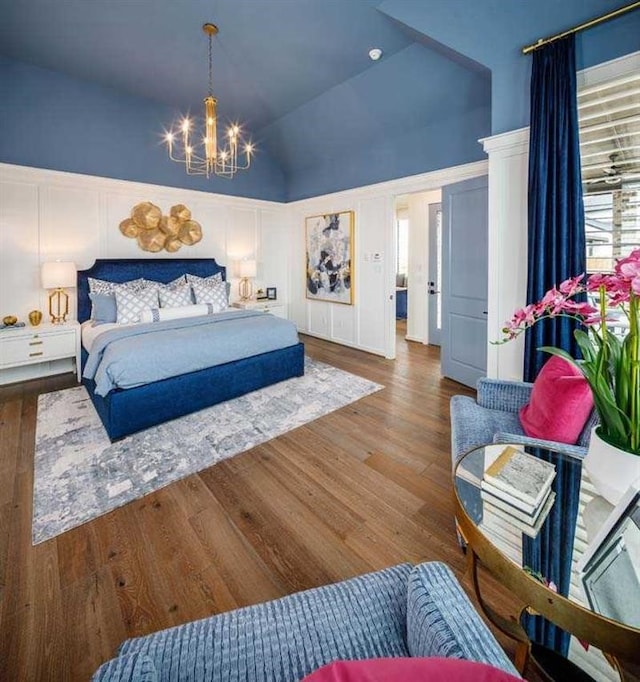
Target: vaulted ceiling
[{"x": 296, "y": 73}]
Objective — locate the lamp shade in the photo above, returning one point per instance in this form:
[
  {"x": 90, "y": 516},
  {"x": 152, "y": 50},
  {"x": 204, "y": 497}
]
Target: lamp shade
[
  {"x": 58, "y": 274},
  {"x": 247, "y": 268}
]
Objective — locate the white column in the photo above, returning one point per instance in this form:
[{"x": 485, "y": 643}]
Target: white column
[{"x": 507, "y": 260}]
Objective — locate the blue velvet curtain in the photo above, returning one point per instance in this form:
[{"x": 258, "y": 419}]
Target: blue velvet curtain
[
  {"x": 557, "y": 248},
  {"x": 557, "y": 251}
]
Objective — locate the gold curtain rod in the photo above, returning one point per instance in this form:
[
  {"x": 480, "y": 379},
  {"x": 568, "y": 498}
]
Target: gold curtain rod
[{"x": 582, "y": 27}]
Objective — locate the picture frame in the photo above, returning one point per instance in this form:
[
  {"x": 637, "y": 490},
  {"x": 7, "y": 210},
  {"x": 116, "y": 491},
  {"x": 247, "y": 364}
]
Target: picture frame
[
  {"x": 272, "y": 293},
  {"x": 608, "y": 569},
  {"x": 329, "y": 255}
]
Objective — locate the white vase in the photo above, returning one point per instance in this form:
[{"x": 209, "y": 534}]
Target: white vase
[{"x": 610, "y": 469}]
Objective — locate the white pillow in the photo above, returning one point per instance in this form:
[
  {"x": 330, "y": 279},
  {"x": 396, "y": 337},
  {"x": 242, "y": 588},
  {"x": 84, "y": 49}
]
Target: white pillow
[
  {"x": 131, "y": 304},
  {"x": 214, "y": 293},
  {"x": 161, "y": 314},
  {"x": 175, "y": 295}
]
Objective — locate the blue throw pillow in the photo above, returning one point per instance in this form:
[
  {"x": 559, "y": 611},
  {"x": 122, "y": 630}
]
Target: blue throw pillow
[{"x": 103, "y": 308}]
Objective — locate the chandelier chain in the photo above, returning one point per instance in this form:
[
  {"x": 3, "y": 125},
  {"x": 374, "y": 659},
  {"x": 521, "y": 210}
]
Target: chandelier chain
[{"x": 210, "y": 64}]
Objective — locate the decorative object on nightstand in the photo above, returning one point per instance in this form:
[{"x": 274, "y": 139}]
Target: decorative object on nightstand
[
  {"x": 35, "y": 318},
  {"x": 9, "y": 320},
  {"x": 272, "y": 293},
  {"x": 260, "y": 295},
  {"x": 277, "y": 308},
  {"x": 57, "y": 275},
  {"x": 247, "y": 270}
]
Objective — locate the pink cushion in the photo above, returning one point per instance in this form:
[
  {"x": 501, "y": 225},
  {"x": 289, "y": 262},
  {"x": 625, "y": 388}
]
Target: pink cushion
[
  {"x": 560, "y": 404},
  {"x": 405, "y": 669}
]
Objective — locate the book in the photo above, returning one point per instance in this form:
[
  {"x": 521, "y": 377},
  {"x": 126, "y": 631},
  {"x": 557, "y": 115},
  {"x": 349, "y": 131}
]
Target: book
[
  {"x": 515, "y": 511},
  {"x": 490, "y": 513},
  {"x": 516, "y": 502},
  {"x": 521, "y": 475}
]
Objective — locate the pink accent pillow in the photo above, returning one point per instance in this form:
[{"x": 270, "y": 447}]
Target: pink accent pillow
[
  {"x": 560, "y": 404},
  {"x": 409, "y": 669}
]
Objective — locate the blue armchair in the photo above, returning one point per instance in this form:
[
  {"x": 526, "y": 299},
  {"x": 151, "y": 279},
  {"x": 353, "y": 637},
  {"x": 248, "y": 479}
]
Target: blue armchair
[
  {"x": 493, "y": 418},
  {"x": 399, "y": 611}
]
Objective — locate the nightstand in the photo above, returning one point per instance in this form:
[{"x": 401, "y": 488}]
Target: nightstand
[
  {"x": 276, "y": 308},
  {"x": 35, "y": 345}
]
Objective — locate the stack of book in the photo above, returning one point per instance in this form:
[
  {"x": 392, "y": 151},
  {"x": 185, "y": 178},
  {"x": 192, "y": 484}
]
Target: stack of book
[{"x": 516, "y": 491}]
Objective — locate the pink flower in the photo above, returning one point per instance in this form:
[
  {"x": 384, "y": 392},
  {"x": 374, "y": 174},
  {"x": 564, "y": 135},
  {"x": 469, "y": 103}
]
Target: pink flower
[
  {"x": 629, "y": 267},
  {"x": 582, "y": 309},
  {"x": 571, "y": 286}
]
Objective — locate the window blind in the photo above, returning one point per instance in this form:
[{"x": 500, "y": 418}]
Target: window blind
[{"x": 609, "y": 116}]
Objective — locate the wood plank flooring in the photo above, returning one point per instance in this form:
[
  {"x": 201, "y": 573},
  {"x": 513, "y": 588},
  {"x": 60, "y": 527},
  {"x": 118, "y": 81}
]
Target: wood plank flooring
[{"x": 365, "y": 487}]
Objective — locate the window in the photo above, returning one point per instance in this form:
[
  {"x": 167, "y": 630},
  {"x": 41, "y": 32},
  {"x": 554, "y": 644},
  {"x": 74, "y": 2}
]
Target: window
[{"x": 609, "y": 115}]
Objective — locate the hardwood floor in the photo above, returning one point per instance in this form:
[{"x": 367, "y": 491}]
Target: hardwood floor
[{"x": 365, "y": 487}]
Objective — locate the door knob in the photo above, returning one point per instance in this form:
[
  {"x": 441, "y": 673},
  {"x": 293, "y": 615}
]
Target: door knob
[{"x": 433, "y": 291}]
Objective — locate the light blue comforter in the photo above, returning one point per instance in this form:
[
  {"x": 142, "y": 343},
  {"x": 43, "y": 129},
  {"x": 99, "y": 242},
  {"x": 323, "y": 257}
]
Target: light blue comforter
[{"x": 143, "y": 353}]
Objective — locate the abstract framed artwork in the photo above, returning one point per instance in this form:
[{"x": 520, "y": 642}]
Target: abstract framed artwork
[{"x": 329, "y": 256}]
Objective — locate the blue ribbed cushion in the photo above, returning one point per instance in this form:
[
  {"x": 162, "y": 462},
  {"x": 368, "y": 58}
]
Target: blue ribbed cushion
[
  {"x": 286, "y": 639},
  {"x": 129, "y": 668},
  {"x": 441, "y": 620}
]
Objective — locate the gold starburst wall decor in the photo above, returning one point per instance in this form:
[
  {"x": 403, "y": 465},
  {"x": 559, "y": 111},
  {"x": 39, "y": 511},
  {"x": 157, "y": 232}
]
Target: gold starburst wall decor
[{"x": 155, "y": 232}]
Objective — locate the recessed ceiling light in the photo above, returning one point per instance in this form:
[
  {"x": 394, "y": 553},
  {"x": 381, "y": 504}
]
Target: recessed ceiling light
[{"x": 375, "y": 54}]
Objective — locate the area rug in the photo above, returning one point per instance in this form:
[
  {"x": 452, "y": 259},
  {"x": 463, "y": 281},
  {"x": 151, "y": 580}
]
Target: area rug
[{"x": 79, "y": 474}]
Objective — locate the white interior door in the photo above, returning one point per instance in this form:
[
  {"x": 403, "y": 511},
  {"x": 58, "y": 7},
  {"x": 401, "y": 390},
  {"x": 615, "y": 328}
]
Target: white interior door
[{"x": 464, "y": 279}]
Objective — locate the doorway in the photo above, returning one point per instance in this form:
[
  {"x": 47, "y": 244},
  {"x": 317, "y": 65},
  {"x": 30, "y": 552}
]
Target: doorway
[
  {"x": 419, "y": 256},
  {"x": 434, "y": 331}
]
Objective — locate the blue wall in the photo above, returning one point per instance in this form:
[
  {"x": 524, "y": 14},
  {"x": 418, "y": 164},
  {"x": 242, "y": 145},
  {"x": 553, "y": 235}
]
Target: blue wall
[
  {"x": 50, "y": 120},
  {"x": 492, "y": 33}
]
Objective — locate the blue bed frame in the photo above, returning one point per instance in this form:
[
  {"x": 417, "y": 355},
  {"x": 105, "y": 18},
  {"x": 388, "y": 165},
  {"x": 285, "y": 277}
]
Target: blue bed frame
[{"x": 126, "y": 411}]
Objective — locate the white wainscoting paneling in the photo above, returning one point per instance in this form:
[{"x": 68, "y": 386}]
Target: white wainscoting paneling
[
  {"x": 19, "y": 248},
  {"x": 370, "y": 323},
  {"x": 48, "y": 215}
]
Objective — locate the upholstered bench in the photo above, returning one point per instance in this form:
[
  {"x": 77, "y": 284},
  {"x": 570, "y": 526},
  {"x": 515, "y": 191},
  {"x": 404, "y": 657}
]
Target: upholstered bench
[{"x": 398, "y": 611}]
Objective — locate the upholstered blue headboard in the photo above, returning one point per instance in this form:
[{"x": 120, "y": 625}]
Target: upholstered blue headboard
[{"x": 158, "y": 269}]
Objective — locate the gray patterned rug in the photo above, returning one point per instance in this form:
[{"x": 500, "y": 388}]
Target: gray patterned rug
[{"x": 80, "y": 475}]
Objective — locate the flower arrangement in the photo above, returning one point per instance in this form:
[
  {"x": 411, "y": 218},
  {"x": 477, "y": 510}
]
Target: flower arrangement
[{"x": 610, "y": 363}]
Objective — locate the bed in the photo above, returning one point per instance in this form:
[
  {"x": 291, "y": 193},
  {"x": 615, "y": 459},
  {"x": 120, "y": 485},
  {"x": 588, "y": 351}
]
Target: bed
[{"x": 126, "y": 411}]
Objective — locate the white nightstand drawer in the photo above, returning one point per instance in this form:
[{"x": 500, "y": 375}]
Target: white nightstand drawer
[{"x": 37, "y": 347}]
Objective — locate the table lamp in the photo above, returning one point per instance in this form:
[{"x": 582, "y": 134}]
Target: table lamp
[
  {"x": 247, "y": 270},
  {"x": 57, "y": 275}
]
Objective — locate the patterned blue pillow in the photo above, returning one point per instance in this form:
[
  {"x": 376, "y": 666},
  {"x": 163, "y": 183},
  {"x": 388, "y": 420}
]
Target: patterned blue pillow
[
  {"x": 101, "y": 286},
  {"x": 131, "y": 304},
  {"x": 175, "y": 295},
  {"x": 211, "y": 292},
  {"x": 173, "y": 283},
  {"x": 209, "y": 280}
]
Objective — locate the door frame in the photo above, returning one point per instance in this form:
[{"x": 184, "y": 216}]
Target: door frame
[{"x": 423, "y": 182}]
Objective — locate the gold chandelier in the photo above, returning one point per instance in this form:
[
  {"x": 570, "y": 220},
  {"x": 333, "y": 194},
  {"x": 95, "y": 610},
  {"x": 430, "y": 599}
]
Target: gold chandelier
[{"x": 201, "y": 153}]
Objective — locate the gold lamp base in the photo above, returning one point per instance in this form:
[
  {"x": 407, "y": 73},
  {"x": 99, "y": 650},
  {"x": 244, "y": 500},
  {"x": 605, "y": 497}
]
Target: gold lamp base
[
  {"x": 245, "y": 288},
  {"x": 58, "y": 306}
]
